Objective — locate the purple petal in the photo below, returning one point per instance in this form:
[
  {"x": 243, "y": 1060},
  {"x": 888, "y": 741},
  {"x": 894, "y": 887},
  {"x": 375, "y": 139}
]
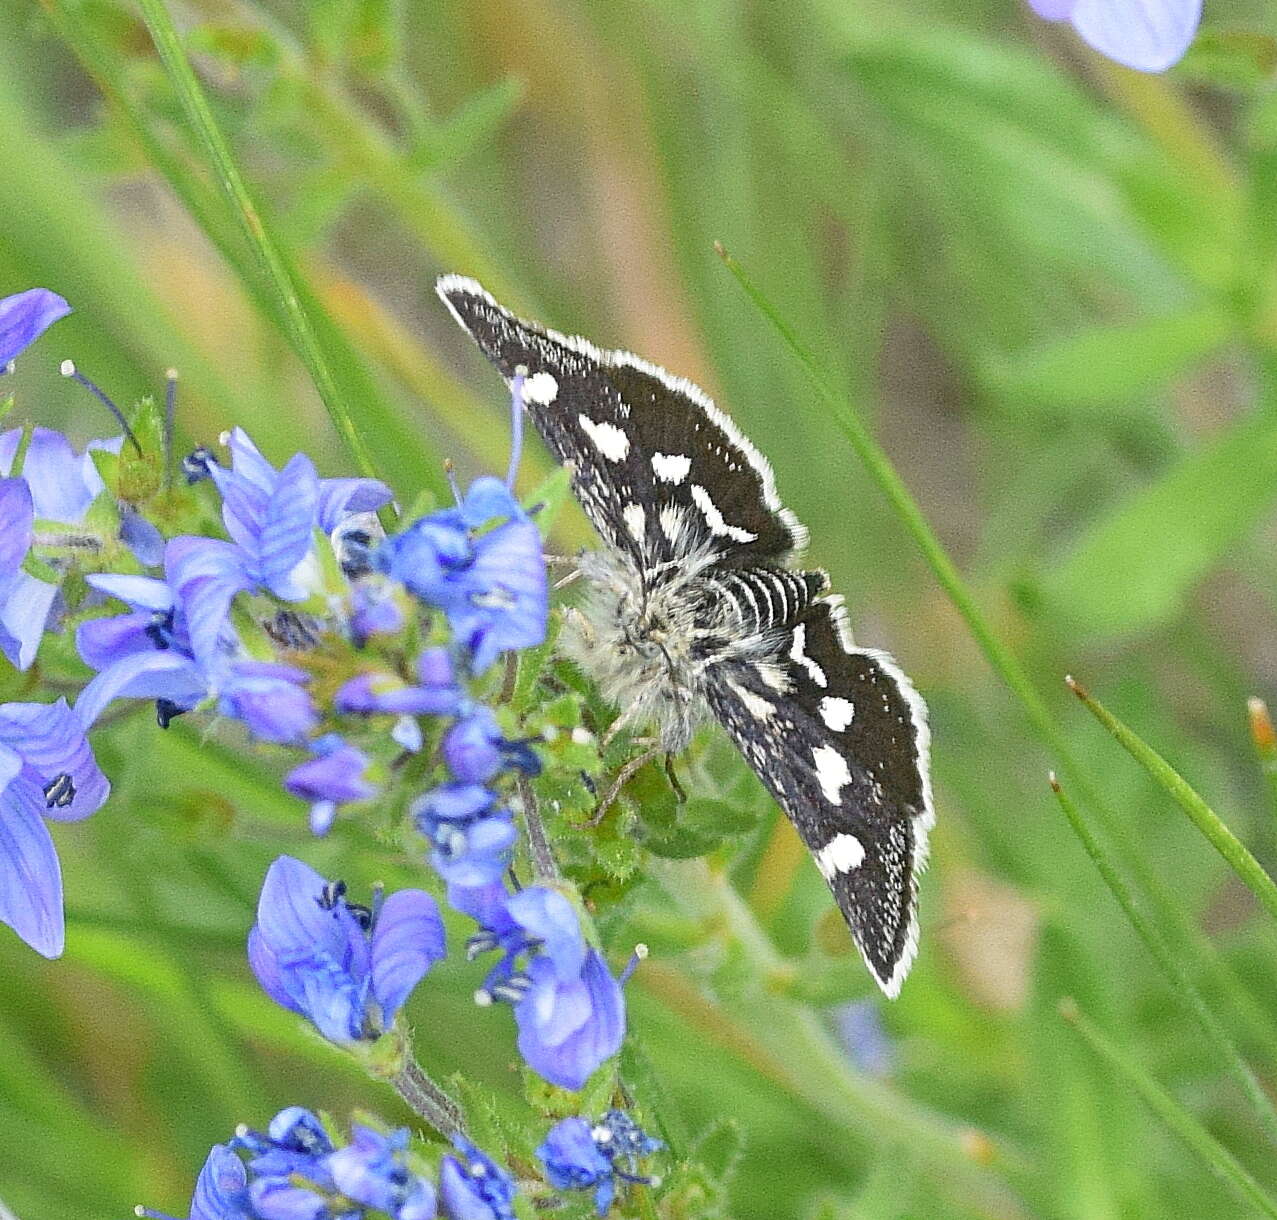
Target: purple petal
[
  {"x": 25, "y": 316},
  {"x": 55, "y": 475},
  {"x": 342, "y": 498},
  {"x": 287, "y": 529},
  {"x": 141, "y": 537},
  {"x": 549, "y": 917},
  {"x": 51, "y": 742},
  {"x": 265, "y": 965},
  {"x": 289, "y": 915},
  {"x": 27, "y": 605},
  {"x": 1053, "y": 10},
  {"x": 335, "y": 776},
  {"x": 144, "y": 675},
  {"x": 221, "y": 1192},
  {"x": 17, "y": 519},
  {"x": 30, "y": 876},
  {"x": 103, "y": 641},
  {"x": 140, "y": 592},
  {"x": 1149, "y": 35},
  {"x": 407, "y": 940}
]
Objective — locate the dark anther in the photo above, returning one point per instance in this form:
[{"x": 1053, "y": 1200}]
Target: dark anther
[
  {"x": 362, "y": 914},
  {"x": 296, "y": 632},
  {"x": 160, "y": 629},
  {"x": 166, "y": 711},
  {"x": 195, "y": 465},
  {"x": 332, "y": 893},
  {"x": 354, "y": 549},
  {"x": 59, "y": 792},
  {"x": 591, "y": 787}
]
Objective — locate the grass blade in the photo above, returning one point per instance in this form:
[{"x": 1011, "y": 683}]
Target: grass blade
[
  {"x": 300, "y": 331},
  {"x": 1168, "y": 964},
  {"x": 1213, "y": 1154},
  {"x": 1185, "y": 796}
]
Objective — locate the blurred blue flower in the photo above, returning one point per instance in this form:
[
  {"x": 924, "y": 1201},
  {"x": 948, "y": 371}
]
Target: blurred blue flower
[
  {"x": 221, "y": 1191},
  {"x": 866, "y": 1042},
  {"x": 334, "y": 776},
  {"x": 1149, "y": 35},
  {"x": 60, "y": 485},
  {"x": 24, "y": 317},
  {"x": 371, "y": 1170},
  {"x": 271, "y": 700},
  {"x": 573, "y": 1162},
  {"x": 47, "y": 770},
  {"x": 144, "y": 654},
  {"x": 569, "y": 1009},
  {"x": 472, "y": 834},
  {"x": 475, "y": 749},
  {"x": 346, "y": 968},
  {"x": 473, "y": 1187},
  {"x": 436, "y": 693},
  {"x": 491, "y": 586}
]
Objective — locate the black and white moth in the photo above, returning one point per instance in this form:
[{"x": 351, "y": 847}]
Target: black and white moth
[{"x": 694, "y": 609}]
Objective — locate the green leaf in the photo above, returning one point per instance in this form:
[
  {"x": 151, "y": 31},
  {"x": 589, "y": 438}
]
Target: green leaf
[
  {"x": 1104, "y": 366},
  {"x": 1132, "y": 569}
]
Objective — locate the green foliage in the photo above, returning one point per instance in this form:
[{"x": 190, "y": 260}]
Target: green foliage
[{"x": 1046, "y": 287}]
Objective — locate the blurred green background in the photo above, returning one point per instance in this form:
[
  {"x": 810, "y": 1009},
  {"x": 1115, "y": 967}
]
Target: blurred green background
[{"x": 1051, "y": 286}]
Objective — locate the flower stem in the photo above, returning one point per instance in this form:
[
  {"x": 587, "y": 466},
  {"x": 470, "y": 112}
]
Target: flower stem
[
  {"x": 428, "y": 1100},
  {"x": 543, "y": 862}
]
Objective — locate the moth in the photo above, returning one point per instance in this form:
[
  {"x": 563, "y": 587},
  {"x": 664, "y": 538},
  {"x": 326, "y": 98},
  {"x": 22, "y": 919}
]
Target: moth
[{"x": 696, "y": 609}]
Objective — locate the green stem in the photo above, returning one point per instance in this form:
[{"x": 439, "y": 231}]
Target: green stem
[
  {"x": 812, "y": 1065},
  {"x": 1199, "y": 812},
  {"x": 428, "y": 1100},
  {"x": 297, "y": 323},
  {"x": 1213, "y": 1154},
  {"x": 1169, "y": 964}
]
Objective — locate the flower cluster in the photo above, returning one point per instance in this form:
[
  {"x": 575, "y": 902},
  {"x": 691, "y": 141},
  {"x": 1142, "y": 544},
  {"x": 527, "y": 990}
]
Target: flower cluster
[
  {"x": 273, "y": 598},
  {"x": 294, "y": 1171}
]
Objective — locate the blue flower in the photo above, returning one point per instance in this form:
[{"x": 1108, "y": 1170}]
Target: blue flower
[
  {"x": 582, "y": 1156},
  {"x": 866, "y": 1042},
  {"x": 24, "y": 317},
  {"x": 271, "y": 517},
  {"x": 474, "y": 1187},
  {"x": 144, "y": 654},
  {"x": 491, "y": 586},
  {"x": 348, "y": 969},
  {"x": 1149, "y": 35},
  {"x": 288, "y": 1167},
  {"x": 221, "y": 1191},
  {"x": 371, "y": 1170},
  {"x": 569, "y": 1009},
  {"x": 436, "y": 693},
  {"x": 573, "y": 1162},
  {"x": 476, "y": 750},
  {"x": 271, "y": 701},
  {"x": 59, "y": 488},
  {"x": 473, "y": 836},
  {"x": 335, "y": 776},
  {"x": 47, "y": 770}
]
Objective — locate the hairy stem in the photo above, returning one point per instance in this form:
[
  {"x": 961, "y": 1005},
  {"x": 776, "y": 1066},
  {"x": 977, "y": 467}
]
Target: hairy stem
[{"x": 428, "y": 1100}]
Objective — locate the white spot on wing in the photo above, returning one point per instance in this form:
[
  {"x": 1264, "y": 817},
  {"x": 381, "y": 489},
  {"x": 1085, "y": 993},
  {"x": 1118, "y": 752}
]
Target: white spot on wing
[
  {"x": 836, "y": 713},
  {"x": 714, "y": 519},
  {"x": 671, "y": 467},
  {"x": 635, "y": 520},
  {"x": 541, "y": 388},
  {"x": 832, "y": 772},
  {"x": 756, "y": 705},
  {"x": 842, "y": 854},
  {"x": 799, "y": 657},
  {"x": 608, "y": 439}
]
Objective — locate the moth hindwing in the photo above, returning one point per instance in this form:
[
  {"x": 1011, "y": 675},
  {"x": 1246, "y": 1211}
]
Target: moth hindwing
[{"x": 694, "y": 609}]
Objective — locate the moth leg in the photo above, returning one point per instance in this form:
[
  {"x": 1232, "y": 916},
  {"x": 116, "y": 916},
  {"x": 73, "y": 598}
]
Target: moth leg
[
  {"x": 672, "y": 776},
  {"x": 617, "y": 725},
  {"x": 564, "y": 581},
  {"x": 623, "y": 777},
  {"x": 560, "y": 561}
]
